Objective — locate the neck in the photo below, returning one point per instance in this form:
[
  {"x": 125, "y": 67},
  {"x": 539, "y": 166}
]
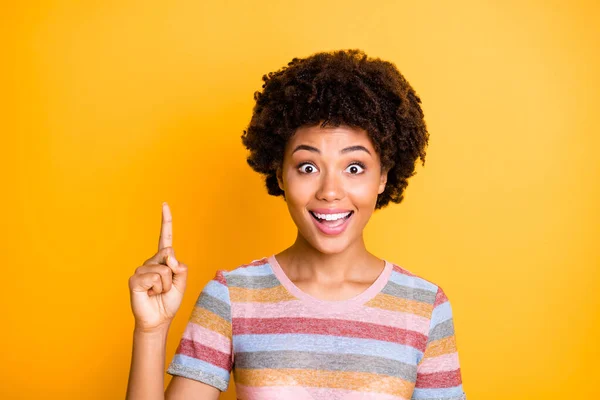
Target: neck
[{"x": 304, "y": 262}]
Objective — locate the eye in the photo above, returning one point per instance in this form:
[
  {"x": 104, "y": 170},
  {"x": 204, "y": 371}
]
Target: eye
[
  {"x": 307, "y": 168},
  {"x": 356, "y": 168}
]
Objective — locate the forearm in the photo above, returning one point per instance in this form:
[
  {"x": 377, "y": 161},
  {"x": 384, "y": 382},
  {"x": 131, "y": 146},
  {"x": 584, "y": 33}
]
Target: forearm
[{"x": 146, "y": 376}]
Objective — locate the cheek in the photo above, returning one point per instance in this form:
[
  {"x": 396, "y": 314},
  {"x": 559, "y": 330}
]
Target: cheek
[
  {"x": 364, "y": 193},
  {"x": 298, "y": 190}
]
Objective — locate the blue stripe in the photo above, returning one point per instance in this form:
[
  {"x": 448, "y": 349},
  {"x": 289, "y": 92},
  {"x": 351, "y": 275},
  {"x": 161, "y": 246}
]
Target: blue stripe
[
  {"x": 412, "y": 281},
  {"x": 325, "y": 343},
  {"x": 200, "y": 365},
  {"x": 441, "y": 313},
  {"x": 256, "y": 270},
  {"x": 218, "y": 290},
  {"x": 441, "y": 393}
]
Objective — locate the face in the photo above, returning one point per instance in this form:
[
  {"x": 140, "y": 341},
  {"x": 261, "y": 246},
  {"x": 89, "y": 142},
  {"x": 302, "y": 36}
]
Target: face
[{"x": 331, "y": 178}]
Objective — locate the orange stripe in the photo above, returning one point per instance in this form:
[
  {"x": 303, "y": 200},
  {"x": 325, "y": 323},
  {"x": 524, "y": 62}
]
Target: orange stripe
[
  {"x": 392, "y": 303},
  {"x": 210, "y": 320},
  {"x": 267, "y": 295},
  {"x": 360, "y": 381},
  {"x": 440, "y": 347}
]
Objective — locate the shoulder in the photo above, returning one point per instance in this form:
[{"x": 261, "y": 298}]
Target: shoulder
[
  {"x": 225, "y": 285},
  {"x": 254, "y": 268},
  {"x": 404, "y": 277},
  {"x": 424, "y": 291}
]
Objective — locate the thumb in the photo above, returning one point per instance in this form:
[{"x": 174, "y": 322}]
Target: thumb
[{"x": 179, "y": 272}]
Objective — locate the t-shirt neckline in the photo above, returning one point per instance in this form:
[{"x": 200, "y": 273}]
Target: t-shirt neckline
[{"x": 359, "y": 299}]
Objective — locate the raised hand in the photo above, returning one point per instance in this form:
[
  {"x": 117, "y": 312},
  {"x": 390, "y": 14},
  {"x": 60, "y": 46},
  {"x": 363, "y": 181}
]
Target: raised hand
[{"x": 156, "y": 288}]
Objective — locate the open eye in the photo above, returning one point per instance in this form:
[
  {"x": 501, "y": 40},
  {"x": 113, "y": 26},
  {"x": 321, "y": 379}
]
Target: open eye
[
  {"x": 355, "y": 168},
  {"x": 307, "y": 168}
]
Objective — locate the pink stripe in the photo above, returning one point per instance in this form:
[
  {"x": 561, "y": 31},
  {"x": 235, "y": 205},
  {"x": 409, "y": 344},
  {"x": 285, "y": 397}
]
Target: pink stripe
[
  {"x": 296, "y": 309},
  {"x": 244, "y": 392},
  {"x": 310, "y": 393},
  {"x": 403, "y": 271},
  {"x": 328, "y": 393},
  {"x": 446, "y": 362},
  {"x": 219, "y": 277},
  {"x": 440, "y": 297},
  {"x": 254, "y": 263},
  {"x": 200, "y": 334},
  {"x": 351, "y": 329},
  {"x": 205, "y": 353}
]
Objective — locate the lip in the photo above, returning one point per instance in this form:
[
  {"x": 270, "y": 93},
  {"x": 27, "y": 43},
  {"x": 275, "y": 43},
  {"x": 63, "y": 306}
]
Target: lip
[
  {"x": 327, "y": 230},
  {"x": 329, "y": 210}
]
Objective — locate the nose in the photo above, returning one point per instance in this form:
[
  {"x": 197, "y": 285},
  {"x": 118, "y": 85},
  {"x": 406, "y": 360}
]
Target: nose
[{"x": 330, "y": 187}]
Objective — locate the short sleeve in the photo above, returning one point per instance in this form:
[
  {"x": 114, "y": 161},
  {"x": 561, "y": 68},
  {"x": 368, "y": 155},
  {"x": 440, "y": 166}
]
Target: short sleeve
[
  {"x": 438, "y": 371},
  {"x": 205, "y": 349}
]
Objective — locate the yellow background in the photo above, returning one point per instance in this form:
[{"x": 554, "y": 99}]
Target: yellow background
[{"x": 110, "y": 108}]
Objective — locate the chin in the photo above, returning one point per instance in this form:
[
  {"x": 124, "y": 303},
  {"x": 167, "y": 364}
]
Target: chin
[
  {"x": 333, "y": 245},
  {"x": 330, "y": 250}
]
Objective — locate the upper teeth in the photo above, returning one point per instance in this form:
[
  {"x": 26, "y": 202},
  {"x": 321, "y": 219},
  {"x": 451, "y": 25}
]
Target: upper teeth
[{"x": 332, "y": 217}]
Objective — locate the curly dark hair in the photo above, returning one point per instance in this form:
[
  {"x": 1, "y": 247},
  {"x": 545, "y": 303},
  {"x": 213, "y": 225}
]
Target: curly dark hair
[{"x": 339, "y": 87}]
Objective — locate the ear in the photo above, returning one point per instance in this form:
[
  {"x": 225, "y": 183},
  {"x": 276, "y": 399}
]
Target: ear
[
  {"x": 279, "y": 174},
  {"x": 383, "y": 180}
]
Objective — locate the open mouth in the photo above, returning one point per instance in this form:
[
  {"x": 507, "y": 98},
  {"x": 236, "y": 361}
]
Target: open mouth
[
  {"x": 331, "y": 217},
  {"x": 328, "y": 222}
]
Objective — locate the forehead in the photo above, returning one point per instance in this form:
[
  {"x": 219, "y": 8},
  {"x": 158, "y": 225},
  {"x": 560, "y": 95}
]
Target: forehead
[{"x": 330, "y": 137}]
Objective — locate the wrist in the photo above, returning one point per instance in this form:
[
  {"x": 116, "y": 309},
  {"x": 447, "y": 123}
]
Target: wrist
[{"x": 160, "y": 330}]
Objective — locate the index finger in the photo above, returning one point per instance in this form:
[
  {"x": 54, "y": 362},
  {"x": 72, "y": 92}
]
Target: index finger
[{"x": 166, "y": 228}]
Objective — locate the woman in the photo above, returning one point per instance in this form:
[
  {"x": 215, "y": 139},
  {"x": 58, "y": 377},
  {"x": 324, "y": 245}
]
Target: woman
[{"x": 337, "y": 134}]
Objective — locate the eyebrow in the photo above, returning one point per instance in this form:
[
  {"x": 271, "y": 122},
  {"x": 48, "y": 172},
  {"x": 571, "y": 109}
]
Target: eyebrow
[{"x": 344, "y": 150}]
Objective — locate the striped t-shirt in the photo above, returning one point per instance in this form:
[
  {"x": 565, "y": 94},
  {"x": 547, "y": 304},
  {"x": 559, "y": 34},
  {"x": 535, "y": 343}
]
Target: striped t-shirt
[{"x": 393, "y": 341}]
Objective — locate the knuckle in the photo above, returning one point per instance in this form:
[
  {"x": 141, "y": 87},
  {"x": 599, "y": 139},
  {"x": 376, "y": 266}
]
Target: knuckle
[
  {"x": 164, "y": 252},
  {"x": 148, "y": 261},
  {"x": 165, "y": 270}
]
